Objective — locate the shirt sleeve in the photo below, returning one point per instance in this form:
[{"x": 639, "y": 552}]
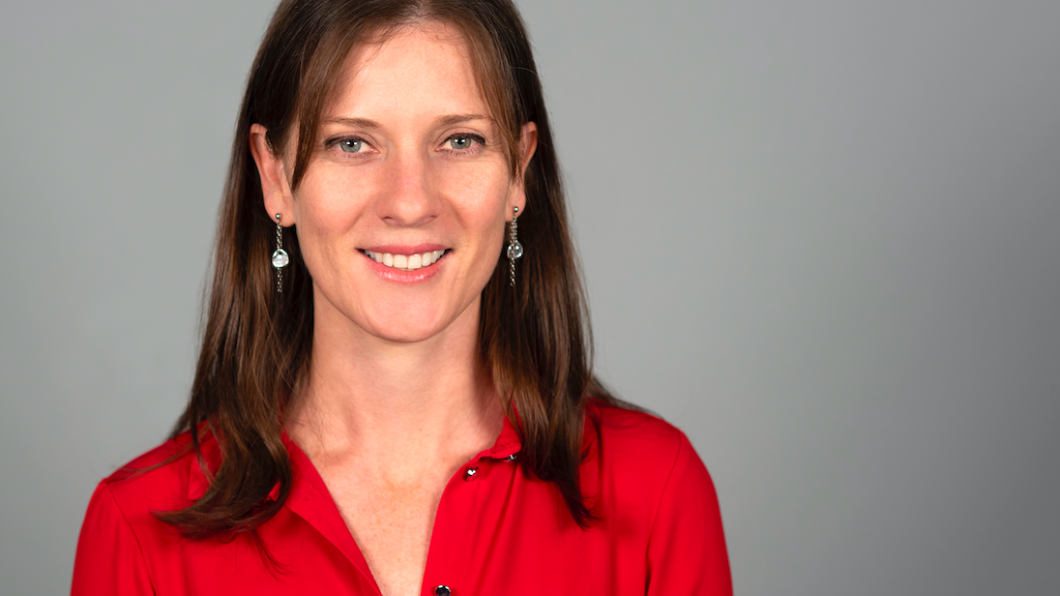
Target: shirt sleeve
[
  {"x": 686, "y": 549},
  {"x": 109, "y": 557}
]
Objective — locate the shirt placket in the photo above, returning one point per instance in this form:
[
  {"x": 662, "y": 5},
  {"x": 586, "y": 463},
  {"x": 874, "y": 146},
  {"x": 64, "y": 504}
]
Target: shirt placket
[
  {"x": 310, "y": 500},
  {"x": 464, "y": 527},
  {"x": 448, "y": 571}
]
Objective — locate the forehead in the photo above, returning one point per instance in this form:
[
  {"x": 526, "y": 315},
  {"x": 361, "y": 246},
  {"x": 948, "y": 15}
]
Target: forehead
[{"x": 425, "y": 69}]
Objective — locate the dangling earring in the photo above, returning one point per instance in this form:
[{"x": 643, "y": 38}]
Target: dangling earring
[
  {"x": 279, "y": 258},
  {"x": 515, "y": 250}
]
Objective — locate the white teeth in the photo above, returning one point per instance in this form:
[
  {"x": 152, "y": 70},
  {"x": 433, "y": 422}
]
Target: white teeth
[{"x": 406, "y": 262}]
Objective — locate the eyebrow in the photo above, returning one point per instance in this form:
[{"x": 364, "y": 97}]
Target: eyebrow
[
  {"x": 441, "y": 121},
  {"x": 356, "y": 122},
  {"x": 458, "y": 118}
]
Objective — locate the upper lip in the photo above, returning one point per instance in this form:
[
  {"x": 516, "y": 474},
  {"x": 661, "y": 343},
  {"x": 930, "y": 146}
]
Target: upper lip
[{"x": 405, "y": 249}]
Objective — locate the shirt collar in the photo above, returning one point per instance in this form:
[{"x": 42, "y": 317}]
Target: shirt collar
[
  {"x": 507, "y": 443},
  {"x": 505, "y": 447}
]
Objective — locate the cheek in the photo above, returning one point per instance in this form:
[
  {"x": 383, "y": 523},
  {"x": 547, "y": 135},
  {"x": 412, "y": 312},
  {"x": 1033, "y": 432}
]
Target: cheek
[
  {"x": 326, "y": 209},
  {"x": 478, "y": 197},
  {"x": 489, "y": 235},
  {"x": 328, "y": 201}
]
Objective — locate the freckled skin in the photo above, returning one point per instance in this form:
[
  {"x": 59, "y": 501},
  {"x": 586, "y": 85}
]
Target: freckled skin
[
  {"x": 406, "y": 185},
  {"x": 391, "y": 522}
]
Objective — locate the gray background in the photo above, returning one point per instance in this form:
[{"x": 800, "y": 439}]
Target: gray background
[{"x": 819, "y": 236}]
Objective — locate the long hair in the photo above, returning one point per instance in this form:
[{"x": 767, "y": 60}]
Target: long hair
[{"x": 534, "y": 338}]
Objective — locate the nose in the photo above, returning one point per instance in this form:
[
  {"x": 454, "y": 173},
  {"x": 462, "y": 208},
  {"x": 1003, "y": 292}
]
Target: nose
[{"x": 409, "y": 196}]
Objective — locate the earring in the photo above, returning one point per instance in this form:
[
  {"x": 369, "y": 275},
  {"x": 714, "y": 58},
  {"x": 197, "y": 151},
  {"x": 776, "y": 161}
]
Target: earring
[
  {"x": 279, "y": 258},
  {"x": 515, "y": 250}
]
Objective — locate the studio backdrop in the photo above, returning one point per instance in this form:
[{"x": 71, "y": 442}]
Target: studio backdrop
[{"x": 821, "y": 237}]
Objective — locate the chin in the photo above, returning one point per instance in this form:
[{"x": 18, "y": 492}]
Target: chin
[
  {"x": 401, "y": 328},
  {"x": 403, "y": 334},
  {"x": 397, "y": 318}
]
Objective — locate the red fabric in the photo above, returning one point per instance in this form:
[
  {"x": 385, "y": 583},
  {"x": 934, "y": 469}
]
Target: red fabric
[{"x": 498, "y": 533}]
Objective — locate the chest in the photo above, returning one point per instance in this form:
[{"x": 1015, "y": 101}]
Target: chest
[
  {"x": 497, "y": 531},
  {"x": 391, "y": 522}
]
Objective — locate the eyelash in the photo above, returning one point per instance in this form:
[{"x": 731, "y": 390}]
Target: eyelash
[{"x": 479, "y": 140}]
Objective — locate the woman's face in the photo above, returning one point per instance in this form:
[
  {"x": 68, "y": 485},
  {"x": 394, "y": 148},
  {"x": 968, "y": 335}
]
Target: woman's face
[{"x": 401, "y": 212}]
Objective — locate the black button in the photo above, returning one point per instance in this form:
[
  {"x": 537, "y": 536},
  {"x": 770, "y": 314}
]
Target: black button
[{"x": 443, "y": 591}]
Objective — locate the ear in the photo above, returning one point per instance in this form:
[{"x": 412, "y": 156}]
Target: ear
[
  {"x": 527, "y": 147},
  {"x": 275, "y": 187}
]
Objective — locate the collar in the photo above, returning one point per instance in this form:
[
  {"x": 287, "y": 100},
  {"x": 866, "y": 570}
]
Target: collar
[
  {"x": 505, "y": 447},
  {"x": 507, "y": 443}
]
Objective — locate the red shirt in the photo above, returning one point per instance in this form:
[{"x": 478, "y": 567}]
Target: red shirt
[{"x": 497, "y": 532}]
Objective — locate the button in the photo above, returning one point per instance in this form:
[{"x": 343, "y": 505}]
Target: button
[
  {"x": 443, "y": 591},
  {"x": 468, "y": 475},
  {"x": 510, "y": 457}
]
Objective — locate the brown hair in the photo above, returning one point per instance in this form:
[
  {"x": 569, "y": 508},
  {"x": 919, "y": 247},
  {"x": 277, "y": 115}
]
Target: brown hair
[{"x": 256, "y": 344}]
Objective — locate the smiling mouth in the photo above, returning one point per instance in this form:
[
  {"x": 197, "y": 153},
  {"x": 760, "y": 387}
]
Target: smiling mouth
[{"x": 406, "y": 262}]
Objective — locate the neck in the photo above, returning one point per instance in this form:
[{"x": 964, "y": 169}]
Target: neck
[{"x": 374, "y": 400}]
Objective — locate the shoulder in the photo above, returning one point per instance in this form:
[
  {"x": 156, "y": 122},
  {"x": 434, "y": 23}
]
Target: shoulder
[
  {"x": 121, "y": 535},
  {"x": 625, "y": 435},
  {"x": 166, "y": 478},
  {"x": 639, "y": 458},
  {"x": 650, "y": 482}
]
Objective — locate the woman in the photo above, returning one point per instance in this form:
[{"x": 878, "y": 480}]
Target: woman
[{"x": 380, "y": 407}]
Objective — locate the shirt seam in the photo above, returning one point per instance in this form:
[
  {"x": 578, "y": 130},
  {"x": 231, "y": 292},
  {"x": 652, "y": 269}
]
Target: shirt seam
[
  {"x": 136, "y": 537},
  {"x": 666, "y": 486}
]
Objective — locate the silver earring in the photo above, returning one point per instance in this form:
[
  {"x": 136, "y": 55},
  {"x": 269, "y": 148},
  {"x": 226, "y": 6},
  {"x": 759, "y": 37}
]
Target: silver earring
[
  {"x": 279, "y": 258},
  {"x": 515, "y": 250}
]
